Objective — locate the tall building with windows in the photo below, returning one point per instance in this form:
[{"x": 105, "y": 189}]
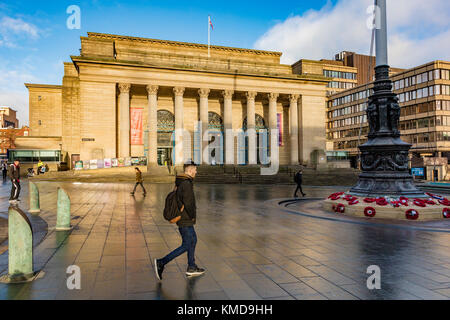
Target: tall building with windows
[
  {"x": 342, "y": 77},
  {"x": 424, "y": 97}
]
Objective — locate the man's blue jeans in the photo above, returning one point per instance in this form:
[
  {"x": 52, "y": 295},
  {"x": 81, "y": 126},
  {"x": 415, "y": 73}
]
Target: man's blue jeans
[{"x": 189, "y": 241}]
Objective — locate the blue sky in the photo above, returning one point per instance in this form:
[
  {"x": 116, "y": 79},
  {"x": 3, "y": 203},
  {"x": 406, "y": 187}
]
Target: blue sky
[{"x": 34, "y": 39}]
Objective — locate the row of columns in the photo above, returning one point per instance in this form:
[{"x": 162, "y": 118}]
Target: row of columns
[{"x": 152, "y": 91}]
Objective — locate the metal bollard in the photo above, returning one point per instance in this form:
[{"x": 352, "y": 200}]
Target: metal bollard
[
  {"x": 63, "y": 211},
  {"x": 33, "y": 192},
  {"x": 20, "y": 246}
]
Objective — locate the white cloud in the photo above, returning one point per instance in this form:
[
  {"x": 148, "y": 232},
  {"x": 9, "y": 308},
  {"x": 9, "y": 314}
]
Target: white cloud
[
  {"x": 12, "y": 89},
  {"x": 12, "y": 30},
  {"x": 418, "y": 31}
]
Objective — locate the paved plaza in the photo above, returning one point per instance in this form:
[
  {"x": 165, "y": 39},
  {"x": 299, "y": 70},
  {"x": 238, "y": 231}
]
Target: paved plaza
[{"x": 251, "y": 248}]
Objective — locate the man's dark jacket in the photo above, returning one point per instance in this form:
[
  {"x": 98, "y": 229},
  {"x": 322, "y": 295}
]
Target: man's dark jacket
[
  {"x": 14, "y": 172},
  {"x": 186, "y": 197},
  {"x": 298, "y": 178}
]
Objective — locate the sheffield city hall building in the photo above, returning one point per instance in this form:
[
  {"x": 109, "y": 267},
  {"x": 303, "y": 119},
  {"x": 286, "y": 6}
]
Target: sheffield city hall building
[{"x": 124, "y": 97}]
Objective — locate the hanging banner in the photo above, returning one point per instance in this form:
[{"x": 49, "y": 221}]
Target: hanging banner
[
  {"x": 136, "y": 115},
  {"x": 280, "y": 129}
]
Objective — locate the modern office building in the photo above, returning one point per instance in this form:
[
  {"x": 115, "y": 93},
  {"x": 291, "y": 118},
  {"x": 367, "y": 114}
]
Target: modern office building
[{"x": 424, "y": 97}]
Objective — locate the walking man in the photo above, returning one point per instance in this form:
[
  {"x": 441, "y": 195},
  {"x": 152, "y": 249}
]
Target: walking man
[
  {"x": 4, "y": 170},
  {"x": 14, "y": 175},
  {"x": 185, "y": 196},
  {"x": 298, "y": 179},
  {"x": 139, "y": 181}
]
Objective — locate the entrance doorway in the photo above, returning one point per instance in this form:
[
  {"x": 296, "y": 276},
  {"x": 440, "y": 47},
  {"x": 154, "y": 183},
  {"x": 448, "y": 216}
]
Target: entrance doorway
[{"x": 165, "y": 154}]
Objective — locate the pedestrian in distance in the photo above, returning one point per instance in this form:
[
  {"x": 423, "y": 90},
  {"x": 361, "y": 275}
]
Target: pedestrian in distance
[
  {"x": 14, "y": 175},
  {"x": 139, "y": 181},
  {"x": 4, "y": 170},
  {"x": 39, "y": 166},
  {"x": 183, "y": 199},
  {"x": 298, "y": 180}
]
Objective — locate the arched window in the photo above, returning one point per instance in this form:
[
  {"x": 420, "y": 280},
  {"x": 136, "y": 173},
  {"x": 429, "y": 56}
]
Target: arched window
[
  {"x": 260, "y": 124},
  {"x": 166, "y": 121},
  {"x": 215, "y": 121}
]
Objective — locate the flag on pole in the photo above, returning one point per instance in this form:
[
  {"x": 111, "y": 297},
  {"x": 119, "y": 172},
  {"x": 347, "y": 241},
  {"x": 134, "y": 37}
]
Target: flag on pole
[
  {"x": 210, "y": 26},
  {"x": 210, "y": 23}
]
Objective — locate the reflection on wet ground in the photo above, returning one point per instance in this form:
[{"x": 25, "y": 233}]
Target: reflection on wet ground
[{"x": 250, "y": 248}]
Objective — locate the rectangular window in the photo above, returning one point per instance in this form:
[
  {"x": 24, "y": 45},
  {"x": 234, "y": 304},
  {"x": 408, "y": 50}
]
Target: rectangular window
[
  {"x": 419, "y": 79},
  {"x": 413, "y": 80},
  {"x": 425, "y": 77},
  {"x": 445, "y": 74},
  {"x": 396, "y": 85},
  {"x": 430, "y": 75},
  {"x": 437, "y": 74},
  {"x": 438, "y": 105},
  {"x": 425, "y": 92},
  {"x": 401, "y": 97},
  {"x": 402, "y": 84},
  {"x": 419, "y": 93},
  {"x": 431, "y": 91},
  {"x": 406, "y": 82}
]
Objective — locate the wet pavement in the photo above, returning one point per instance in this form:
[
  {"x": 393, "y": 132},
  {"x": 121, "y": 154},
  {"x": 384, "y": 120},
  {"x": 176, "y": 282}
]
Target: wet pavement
[{"x": 250, "y": 248}]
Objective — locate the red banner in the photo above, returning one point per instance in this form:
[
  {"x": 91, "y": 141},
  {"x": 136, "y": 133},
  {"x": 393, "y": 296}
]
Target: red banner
[{"x": 136, "y": 115}]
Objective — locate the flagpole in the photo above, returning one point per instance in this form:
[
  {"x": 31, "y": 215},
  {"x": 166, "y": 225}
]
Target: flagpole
[{"x": 209, "y": 37}]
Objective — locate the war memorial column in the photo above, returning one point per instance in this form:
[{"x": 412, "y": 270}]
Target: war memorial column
[
  {"x": 228, "y": 125},
  {"x": 251, "y": 127},
  {"x": 203, "y": 93},
  {"x": 152, "y": 124},
  {"x": 124, "y": 120},
  {"x": 293, "y": 127},
  {"x": 179, "y": 125}
]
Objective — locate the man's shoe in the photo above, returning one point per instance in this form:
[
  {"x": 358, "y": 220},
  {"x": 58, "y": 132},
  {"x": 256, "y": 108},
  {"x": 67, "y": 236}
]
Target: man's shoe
[
  {"x": 159, "y": 268},
  {"x": 304, "y": 194},
  {"x": 195, "y": 271},
  {"x": 132, "y": 193}
]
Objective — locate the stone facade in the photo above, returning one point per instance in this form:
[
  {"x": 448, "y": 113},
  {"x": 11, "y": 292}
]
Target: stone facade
[{"x": 114, "y": 75}]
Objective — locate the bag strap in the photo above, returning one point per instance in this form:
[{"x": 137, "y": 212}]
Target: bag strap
[{"x": 182, "y": 207}]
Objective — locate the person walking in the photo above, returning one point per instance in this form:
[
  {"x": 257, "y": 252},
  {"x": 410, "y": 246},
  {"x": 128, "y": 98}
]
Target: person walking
[
  {"x": 14, "y": 175},
  {"x": 4, "y": 170},
  {"x": 185, "y": 197},
  {"x": 298, "y": 180},
  {"x": 39, "y": 166},
  {"x": 139, "y": 181}
]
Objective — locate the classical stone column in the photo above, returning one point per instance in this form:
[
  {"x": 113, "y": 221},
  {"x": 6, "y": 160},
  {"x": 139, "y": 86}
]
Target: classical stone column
[
  {"x": 272, "y": 116},
  {"x": 203, "y": 93},
  {"x": 251, "y": 127},
  {"x": 124, "y": 120},
  {"x": 293, "y": 127},
  {"x": 179, "y": 125},
  {"x": 228, "y": 125},
  {"x": 152, "y": 126}
]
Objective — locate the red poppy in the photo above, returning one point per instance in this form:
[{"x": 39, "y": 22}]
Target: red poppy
[
  {"x": 370, "y": 200},
  {"x": 419, "y": 203},
  {"x": 354, "y": 201},
  {"x": 335, "y": 195},
  {"x": 429, "y": 201},
  {"x": 412, "y": 214},
  {"x": 403, "y": 201},
  {"x": 340, "y": 208},
  {"x": 444, "y": 202},
  {"x": 382, "y": 202},
  {"x": 369, "y": 212},
  {"x": 446, "y": 213},
  {"x": 395, "y": 203}
]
